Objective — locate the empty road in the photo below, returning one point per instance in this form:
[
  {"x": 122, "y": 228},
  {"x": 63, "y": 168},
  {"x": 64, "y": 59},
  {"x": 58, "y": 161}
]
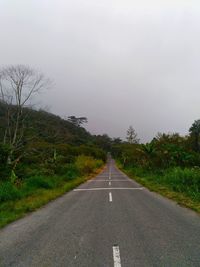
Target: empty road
[{"x": 110, "y": 221}]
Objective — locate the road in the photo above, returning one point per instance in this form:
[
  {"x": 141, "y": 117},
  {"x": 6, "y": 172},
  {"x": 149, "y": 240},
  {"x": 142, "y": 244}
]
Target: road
[{"x": 108, "y": 221}]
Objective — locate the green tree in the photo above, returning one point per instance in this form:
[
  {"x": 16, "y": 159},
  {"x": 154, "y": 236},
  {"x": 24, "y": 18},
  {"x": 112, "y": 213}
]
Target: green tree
[
  {"x": 195, "y": 132},
  {"x": 116, "y": 141},
  {"x": 103, "y": 141}
]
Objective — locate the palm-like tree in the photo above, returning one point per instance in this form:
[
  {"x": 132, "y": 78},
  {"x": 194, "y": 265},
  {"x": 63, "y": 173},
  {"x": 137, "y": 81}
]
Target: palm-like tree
[{"x": 195, "y": 132}]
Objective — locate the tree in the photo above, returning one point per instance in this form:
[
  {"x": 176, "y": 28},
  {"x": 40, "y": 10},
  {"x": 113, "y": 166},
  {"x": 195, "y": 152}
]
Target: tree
[
  {"x": 17, "y": 86},
  {"x": 77, "y": 121},
  {"x": 103, "y": 141},
  {"x": 195, "y": 132},
  {"x": 132, "y": 136},
  {"x": 116, "y": 141}
]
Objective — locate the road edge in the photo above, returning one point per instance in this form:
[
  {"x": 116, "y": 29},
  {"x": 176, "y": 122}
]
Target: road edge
[{"x": 180, "y": 198}]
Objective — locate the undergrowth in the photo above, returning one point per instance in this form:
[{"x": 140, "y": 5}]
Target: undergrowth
[
  {"x": 180, "y": 184},
  {"x": 22, "y": 196}
]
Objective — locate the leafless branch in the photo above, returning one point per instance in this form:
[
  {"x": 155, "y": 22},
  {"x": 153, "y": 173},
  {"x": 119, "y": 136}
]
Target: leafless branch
[{"x": 17, "y": 85}]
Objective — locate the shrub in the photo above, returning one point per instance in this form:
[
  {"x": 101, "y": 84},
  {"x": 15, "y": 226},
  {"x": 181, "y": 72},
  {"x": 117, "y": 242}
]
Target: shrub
[
  {"x": 67, "y": 170},
  {"x": 40, "y": 182},
  {"x": 85, "y": 164},
  {"x": 8, "y": 191},
  {"x": 91, "y": 151}
]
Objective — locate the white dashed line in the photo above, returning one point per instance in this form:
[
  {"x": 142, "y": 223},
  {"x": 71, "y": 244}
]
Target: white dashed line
[
  {"x": 109, "y": 183},
  {"x": 110, "y": 197},
  {"x": 116, "y": 256},
  {"x": 113, "y": 180},
  {"x": 110, "y": 174}
]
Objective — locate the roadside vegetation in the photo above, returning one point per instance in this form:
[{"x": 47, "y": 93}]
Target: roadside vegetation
[
  {"x": 47, "y": 168},
  {"x": 169, "y": 164},
  {"x": 30, "y": 192},
  {"x": 42, "y": 155}
]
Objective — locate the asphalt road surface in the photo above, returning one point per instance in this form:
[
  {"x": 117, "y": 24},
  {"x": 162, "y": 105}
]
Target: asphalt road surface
[{"x": 108, "y": 221}]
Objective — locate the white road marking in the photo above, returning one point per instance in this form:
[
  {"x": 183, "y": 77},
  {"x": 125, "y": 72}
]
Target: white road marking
[
  {"x": 109, "y": 183},
  {"x": 110, "y": 197},
  {"x": 109, "y": 173},
  {"x": 116, "y": 256},
  {"x": 109, "y": 188}
]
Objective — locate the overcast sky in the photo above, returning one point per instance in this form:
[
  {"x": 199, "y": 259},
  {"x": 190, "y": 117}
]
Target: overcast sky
[{"x": 117, "y": 62}]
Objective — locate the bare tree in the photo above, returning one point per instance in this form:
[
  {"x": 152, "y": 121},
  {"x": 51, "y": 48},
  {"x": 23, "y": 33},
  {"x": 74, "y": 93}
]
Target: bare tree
[
  {"x": 132, "y": 136},
  {"x": 77, "y": 121},
  {"x": 17, "y": 86}
]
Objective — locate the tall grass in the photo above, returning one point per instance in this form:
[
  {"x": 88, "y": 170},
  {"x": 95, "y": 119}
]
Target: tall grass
[
  {"x": 83, "y": 166},
  {"x": 177, "y": 179},
  {"x": 30, "y": 193},
  {"x": 183, "y": 180}
]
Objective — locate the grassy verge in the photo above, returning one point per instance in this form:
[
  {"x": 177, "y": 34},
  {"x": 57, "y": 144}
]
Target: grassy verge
[
  {"x": 12, "y": 210},
  {"x": 171, "y": 184}
]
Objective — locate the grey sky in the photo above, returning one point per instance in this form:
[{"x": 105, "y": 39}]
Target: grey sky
[{"x": 117, "y": 62}]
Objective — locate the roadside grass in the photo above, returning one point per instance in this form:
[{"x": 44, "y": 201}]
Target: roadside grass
[
  {"x": 17, "y": 201},
  {"x": 180, "y": 185}
]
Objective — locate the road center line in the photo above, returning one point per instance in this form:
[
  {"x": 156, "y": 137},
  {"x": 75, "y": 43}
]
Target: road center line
[
  {"x": 114, "y": 180},
  {"x": 110, "y": 197},
  {"x": 109, "y": 183},
  {"x": 116, "y": 256},
  {"x": 109, "y": 173},
  {"x": 109, "y": 188}
]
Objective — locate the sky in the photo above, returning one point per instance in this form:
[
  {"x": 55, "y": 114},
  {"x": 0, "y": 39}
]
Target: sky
[{"x": 117, "y": 62}]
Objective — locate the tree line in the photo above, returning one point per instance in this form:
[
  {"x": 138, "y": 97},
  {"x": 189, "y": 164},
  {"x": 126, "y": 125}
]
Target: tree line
[{"x": 32, "y": 140}]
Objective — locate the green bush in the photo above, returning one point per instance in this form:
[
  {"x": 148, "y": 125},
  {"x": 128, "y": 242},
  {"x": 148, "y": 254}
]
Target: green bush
[
  {"x": 86, "y": 164},
  {"x": 67, "y": 170},
  {"x": 8, "y": 191},
  {"x": 40, "y": 182},
  {"x": 91, "y": 151}
]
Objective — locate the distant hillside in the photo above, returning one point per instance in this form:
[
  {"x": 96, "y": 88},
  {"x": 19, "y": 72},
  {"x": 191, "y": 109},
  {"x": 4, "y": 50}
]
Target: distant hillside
[{"x": 45, "y": 126}]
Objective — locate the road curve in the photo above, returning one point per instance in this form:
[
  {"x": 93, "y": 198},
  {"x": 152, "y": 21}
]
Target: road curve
[{"x": 108, "y": 221}]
